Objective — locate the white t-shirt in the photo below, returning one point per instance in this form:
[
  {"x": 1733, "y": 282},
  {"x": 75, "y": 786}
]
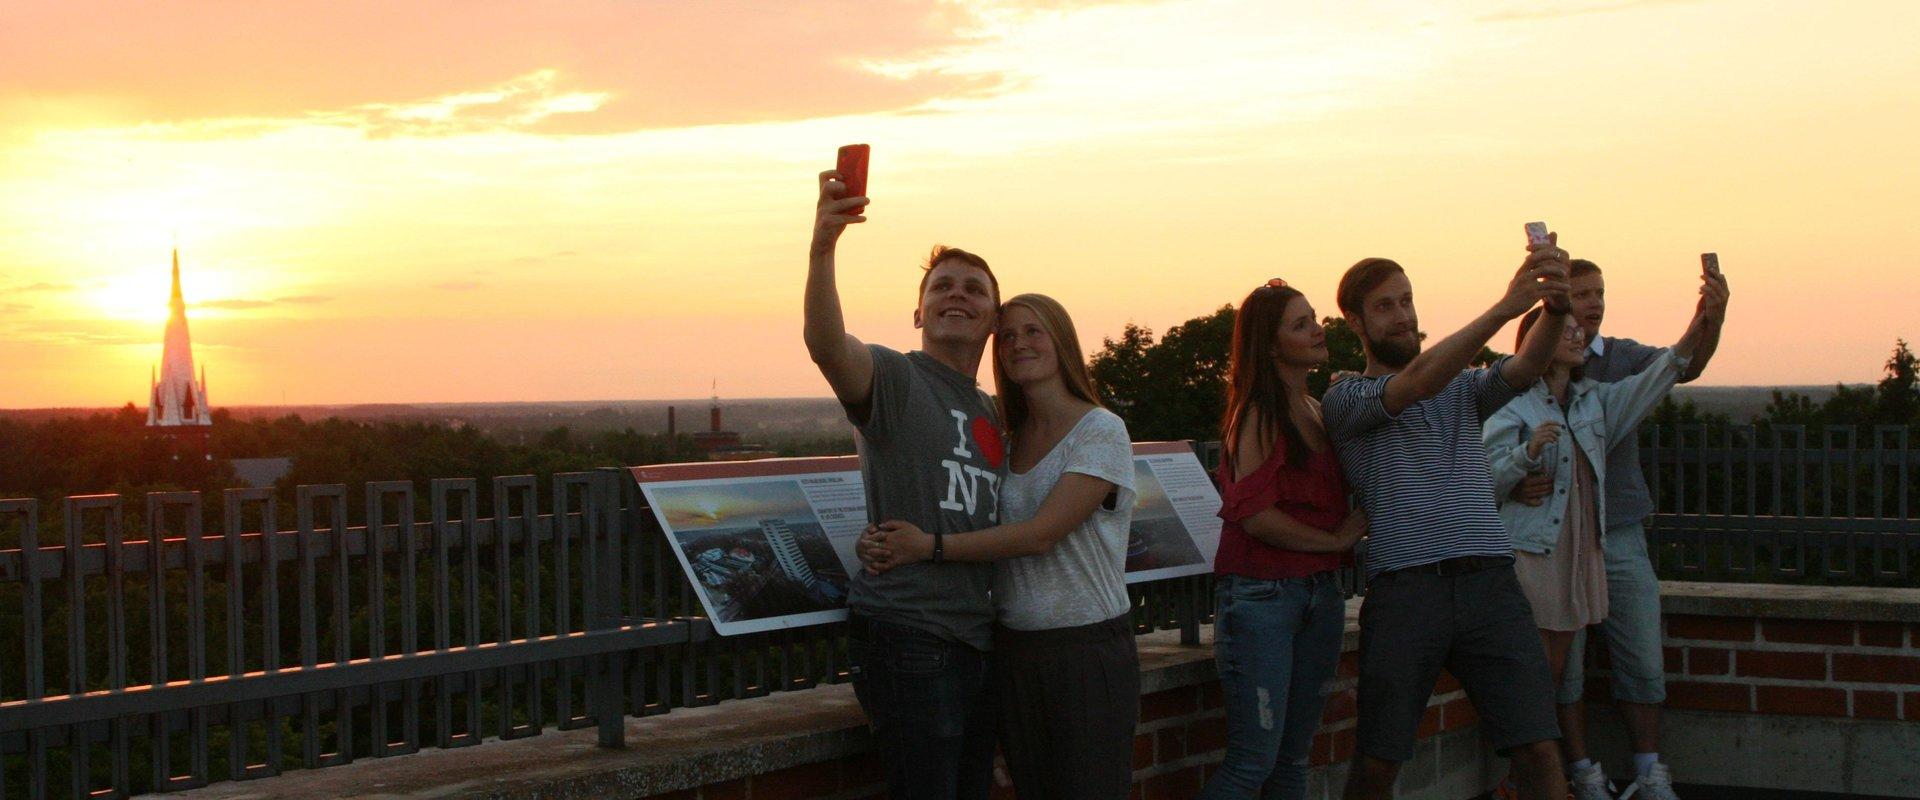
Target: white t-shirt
[{"x": 1083, "y": 580}]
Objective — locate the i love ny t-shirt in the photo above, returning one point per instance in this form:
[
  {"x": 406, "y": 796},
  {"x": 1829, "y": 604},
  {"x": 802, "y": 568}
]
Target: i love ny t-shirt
[{"x": 930, "y": 454}]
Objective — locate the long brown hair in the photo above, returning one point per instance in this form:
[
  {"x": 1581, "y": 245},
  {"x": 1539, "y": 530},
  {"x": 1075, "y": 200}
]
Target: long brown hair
[
  {"x": 1253, "y": 376},
  {"x": 1066, "y": 347}
]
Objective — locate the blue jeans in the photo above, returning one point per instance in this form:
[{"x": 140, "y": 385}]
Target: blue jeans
[
  {"x": 1632, "y": 625},
  {"x": 929, "y": 702},
  {"x": 1276, "y": 643}
]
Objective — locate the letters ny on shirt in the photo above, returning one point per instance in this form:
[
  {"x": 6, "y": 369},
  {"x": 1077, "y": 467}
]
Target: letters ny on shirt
[{"x": 963, "y": 479}]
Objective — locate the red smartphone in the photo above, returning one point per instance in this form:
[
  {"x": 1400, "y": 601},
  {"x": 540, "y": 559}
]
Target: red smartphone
[{"x": 853, "y": 170}]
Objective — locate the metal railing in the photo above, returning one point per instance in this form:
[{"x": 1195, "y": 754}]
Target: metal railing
[
  {"x": 182, "y": 657},
  {"x": 1784, "y": 504}
]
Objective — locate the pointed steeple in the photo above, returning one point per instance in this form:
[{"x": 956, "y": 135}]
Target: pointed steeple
[{"x": 178, "y": 399}]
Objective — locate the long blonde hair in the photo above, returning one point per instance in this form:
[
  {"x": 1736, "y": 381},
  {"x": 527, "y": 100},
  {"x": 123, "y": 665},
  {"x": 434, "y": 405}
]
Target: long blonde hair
[{"x": 1066, "y": 347}]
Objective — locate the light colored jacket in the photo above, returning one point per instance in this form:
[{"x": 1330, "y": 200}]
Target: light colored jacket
[{"x": 1594, "y": 411}]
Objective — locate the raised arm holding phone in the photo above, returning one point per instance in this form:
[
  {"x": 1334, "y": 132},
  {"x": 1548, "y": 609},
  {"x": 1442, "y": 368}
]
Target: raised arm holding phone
[
  {"x": 1442, "y": 592},
  {"x": 931, "y": 454}
]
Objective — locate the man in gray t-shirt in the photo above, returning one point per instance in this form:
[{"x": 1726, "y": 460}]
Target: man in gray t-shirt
[{"x": 931, "y": 454}]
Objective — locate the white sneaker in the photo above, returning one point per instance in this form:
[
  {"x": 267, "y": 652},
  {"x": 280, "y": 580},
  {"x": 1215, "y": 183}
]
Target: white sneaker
[
  {"x": 1592, "y": 784},
  {"x": 1656, "y": 785}
]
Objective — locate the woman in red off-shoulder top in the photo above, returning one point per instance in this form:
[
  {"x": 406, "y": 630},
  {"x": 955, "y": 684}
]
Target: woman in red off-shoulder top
[{"x": 1286, "y": 528}]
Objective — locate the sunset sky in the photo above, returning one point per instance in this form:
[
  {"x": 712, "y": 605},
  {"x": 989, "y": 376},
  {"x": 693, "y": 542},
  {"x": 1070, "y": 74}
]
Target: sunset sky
[{"x": 454, "y": 201}]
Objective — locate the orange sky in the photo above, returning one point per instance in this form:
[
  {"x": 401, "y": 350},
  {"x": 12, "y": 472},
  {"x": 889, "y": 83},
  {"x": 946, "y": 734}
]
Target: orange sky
[{"x": 446, "y": 201}]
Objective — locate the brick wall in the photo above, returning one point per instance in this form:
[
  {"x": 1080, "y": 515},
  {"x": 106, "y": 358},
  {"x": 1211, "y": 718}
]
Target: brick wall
[
  {"x": 1181, "y": 739},
  {"x": 1777, "y": 666}
]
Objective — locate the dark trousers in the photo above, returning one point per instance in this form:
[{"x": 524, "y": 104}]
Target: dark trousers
[
  {"x": 1069, "y": 702},
  {"x": 930, "y": 704}
]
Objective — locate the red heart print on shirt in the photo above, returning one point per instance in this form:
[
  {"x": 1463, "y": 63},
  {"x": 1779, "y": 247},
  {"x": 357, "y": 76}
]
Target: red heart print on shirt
[{"x": 987, "y": 438}]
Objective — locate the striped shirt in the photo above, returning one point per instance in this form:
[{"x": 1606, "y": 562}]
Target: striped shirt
[{"x": 1422, "y": 474}]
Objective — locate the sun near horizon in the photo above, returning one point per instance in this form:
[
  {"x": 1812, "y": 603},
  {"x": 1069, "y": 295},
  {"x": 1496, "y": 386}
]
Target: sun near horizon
[{"x": 600, "y": 200}]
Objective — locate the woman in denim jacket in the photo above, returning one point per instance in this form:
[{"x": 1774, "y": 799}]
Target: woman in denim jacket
[{"x": 1562, "y": 426}]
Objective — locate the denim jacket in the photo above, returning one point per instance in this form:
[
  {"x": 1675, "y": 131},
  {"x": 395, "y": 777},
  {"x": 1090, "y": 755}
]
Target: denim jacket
[{"x": 1594, "y": 410}]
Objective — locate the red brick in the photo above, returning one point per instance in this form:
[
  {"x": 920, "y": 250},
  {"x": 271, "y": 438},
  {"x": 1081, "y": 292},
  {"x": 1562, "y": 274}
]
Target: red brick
[
  {"x": 1429, "y": 723},
  {"x": 735, "y": 789},
  {"x": 1910, "y": 707},
  {"x": 798, "y": 783},
  {"x": 1457, "y": 714},
  {"x": 1169, "y": 703},
  {"x": 1210, "y": 696},
  {"x": 1143, "y": 751},
  {"x": 683, "y": 794},
  {"x": 1707, "y": 661},
  {"x": 1180, "y": 784},
  {"x": 1726, "y": 629},
  {"x": 1876, "y": 669},
  {"x": 1207, "y": 735},
  {"x": 727, "y": 790},
  {"x": 1173, "y": 744},
  {"x": 1447, "y": 683},
  {"x": 1675, "y": 657},
  {"x": 1800, "y": 666},
  {"x": 1709, "y": 696},
  {"x": 1343, "y": 745},
  {"x": 862, "y": 769},
  {"x": 1137, "y": 793},
  {"x": 1340, "y": 705},
  {"x": 1802, "y": 700},
  {"x": 1876, "y": 705},
  {"x": 1807, "y": 631},
  {"x": 1882, "y": 634}
]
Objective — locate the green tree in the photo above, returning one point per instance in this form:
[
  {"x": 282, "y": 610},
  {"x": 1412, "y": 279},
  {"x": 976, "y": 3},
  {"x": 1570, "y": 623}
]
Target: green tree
[
  {"x": 1173, "y": 388},
  {"x": 1894, "y": 401},
  {"x": 1176, "y": 388},
  {"x": 1898, "y": 395}
]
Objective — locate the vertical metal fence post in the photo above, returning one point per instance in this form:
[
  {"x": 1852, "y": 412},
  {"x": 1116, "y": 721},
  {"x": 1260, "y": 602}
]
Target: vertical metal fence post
[{"x": 603, "y": 532}]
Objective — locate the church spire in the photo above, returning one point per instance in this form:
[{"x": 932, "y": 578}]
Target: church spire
[{"x": 178, "y": 399}]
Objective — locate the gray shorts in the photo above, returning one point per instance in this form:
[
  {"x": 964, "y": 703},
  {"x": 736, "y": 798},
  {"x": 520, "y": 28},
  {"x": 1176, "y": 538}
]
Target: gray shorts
[
  {"x": 1479, "y": 627},
  {"x": 1632, "y": 626}
]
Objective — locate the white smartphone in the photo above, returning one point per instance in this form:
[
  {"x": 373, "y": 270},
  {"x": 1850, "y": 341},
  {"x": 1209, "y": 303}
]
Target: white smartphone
[
  {"x": 1537, "y": 233},
  {"x": 1710, "y": 263}
]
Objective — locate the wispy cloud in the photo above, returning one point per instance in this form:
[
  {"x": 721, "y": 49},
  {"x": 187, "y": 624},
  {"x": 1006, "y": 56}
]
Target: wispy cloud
[
  {"x": 14, "y": 308},
  {"x": 241, "y": 304},
  {"x": 1562, "y": 12},
  {"x": 458, "y": 286},
  {"x": 44, "y": 286}
]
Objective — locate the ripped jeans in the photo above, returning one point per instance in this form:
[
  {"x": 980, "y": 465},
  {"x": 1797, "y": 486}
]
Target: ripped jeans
[{"x": 1276, "y": 643}]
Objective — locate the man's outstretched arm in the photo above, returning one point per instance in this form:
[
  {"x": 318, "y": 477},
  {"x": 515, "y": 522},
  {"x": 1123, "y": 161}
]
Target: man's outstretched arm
[{"x": 843, "y": 359}]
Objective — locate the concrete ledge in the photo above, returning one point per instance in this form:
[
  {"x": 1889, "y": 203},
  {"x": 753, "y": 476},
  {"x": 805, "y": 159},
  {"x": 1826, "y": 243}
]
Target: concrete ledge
[
  {"x": 688, "y": 748},
  {"x": 1812, "y": 754},
  {"x": 1855, "y": 603}
]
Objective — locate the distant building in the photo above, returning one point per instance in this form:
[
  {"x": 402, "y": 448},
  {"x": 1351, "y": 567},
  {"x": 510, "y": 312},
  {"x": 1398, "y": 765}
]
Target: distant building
[
  {"x": 786, "y": 551},
  {"x": 718, "y": 443},
  {"x": 177, "y": 404}
]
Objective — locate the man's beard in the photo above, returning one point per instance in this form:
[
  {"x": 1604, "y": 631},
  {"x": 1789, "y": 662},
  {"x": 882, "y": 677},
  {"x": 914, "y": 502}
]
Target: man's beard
[{"x": 1394, "y": 353}]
